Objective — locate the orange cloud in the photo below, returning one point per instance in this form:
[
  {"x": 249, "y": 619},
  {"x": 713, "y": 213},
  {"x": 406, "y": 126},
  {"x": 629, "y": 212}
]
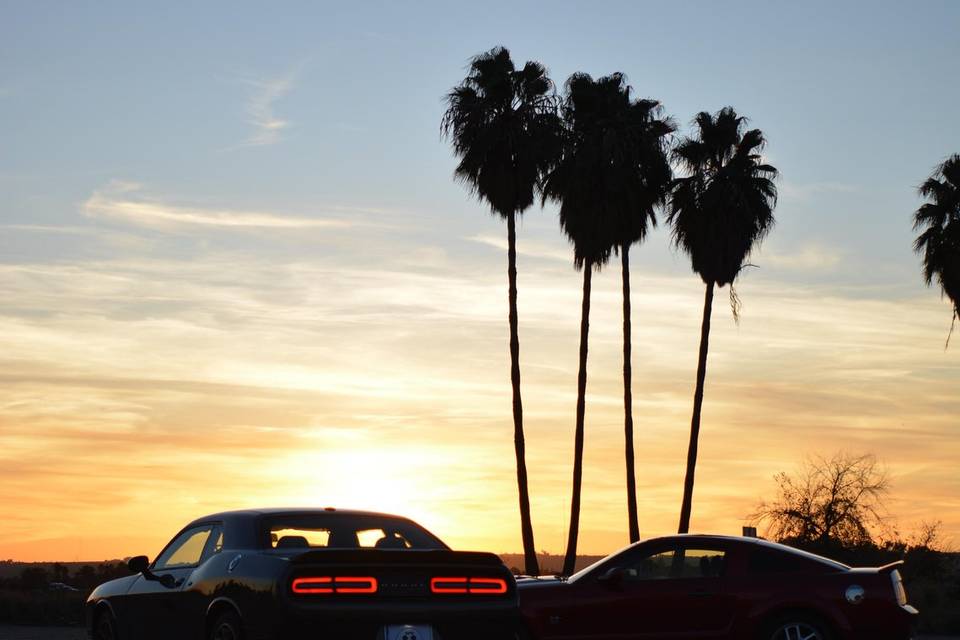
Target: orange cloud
[{"x": 142, "y": 393}]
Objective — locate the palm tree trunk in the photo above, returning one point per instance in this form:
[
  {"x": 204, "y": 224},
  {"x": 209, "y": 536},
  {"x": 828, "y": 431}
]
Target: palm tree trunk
[
  {"x": 632, "y": 519},
  {"x": 526, "y": 524},
  {"x": 695, "y": 421},
  {"x": 570, "y": 559}
]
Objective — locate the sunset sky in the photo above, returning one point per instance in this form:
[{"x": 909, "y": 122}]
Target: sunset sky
[{"x": 235, "y": 271}]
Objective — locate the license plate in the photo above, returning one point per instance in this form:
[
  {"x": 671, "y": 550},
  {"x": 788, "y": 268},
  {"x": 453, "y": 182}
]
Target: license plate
[{"x": 408, "y": 632}]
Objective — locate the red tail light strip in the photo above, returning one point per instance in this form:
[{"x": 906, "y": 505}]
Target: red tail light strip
[
  {"x": 310, "y": 585},
  {"x": 488, "y": 585},
  {"x": 315, "y": 584},
  {"x": 364, "y": 584},
  {"x": 448, "y": 585},
  {"x": 474, "y": 585}
]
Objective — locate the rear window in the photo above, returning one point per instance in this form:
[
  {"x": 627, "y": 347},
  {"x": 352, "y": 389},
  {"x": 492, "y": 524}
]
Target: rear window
[
  {"x": 686, "y": 562},
  {"x": 308, "y": 531},
  {"x": 769, "y": 561}
]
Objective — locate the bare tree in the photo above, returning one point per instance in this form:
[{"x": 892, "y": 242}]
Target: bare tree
[{"x": 837, "y": 500}]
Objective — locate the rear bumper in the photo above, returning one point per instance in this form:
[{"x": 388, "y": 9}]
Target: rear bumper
[
  {"x": 480, "y": 621},
  {"x": 898, "y": 624},
  {"x": 370, "y": 627}
]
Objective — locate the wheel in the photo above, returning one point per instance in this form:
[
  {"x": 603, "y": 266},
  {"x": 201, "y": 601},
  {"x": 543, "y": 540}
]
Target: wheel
[
  {"x": 103, "y": 627},
  {"x": 226, "y": 627},
  {"x": 798, "y": 626}
]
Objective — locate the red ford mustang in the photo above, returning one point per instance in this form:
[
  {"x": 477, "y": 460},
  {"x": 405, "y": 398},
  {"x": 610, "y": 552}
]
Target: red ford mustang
[{"x": 697, "y": 586}]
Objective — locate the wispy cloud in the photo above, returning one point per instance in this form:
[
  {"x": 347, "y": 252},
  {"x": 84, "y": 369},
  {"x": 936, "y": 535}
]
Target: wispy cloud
[
  {"x": 526, "y": 248},
  {"x": 49, "y": 228},
  {"x": 125, "y": 201},
  {"x": 811, "y": 257},
  {"x": 265, "y": 92}
]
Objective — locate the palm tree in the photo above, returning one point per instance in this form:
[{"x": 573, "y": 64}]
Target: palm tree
[
  {"x": 600, "y": 188},
  {"x": 939, "y": 242},
  {"x": 505, "y": 131},
  {"x": 650, "y": 155},
  {"x": 720, "y": 210}
]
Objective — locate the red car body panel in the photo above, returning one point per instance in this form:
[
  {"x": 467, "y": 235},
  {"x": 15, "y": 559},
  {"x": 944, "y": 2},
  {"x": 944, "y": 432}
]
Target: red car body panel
[{"x": 738, "y": 601}]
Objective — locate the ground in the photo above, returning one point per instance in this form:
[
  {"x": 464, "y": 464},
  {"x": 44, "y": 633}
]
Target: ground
[{"x": 9, "y": 632}]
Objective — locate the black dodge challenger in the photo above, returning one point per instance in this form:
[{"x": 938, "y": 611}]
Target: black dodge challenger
[{"x": 307, "y": 573}]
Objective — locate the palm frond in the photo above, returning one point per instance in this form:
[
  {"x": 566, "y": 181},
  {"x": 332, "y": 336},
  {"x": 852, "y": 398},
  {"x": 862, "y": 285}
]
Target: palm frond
[
  {"x": 504, "y": 129},
  {"x": 723, "y": 208},
  {"x": 613, "y": 170},
  {"x": 938, "y": 221}
]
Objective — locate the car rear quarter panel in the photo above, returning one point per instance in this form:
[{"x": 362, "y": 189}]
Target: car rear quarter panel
[
  {"x": 877, "y": 616},
  {"x": 251, "y": 587}
]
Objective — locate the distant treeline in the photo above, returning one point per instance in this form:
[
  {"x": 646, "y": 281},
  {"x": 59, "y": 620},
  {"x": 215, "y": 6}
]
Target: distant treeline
[
  {"x": 549, "y": 564},
  {"x": 51, "y": 593}
]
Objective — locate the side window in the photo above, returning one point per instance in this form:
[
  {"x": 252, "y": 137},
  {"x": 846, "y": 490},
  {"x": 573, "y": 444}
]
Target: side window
[
  {"x": 214, "y": 543},
  {"x": 656, "y": 566},
  {"x": 186, "y": 550},
  {"x": 218, "y": 542},
  {"x": 699, "y": 563},
  {"x": 683, "y": 562}
]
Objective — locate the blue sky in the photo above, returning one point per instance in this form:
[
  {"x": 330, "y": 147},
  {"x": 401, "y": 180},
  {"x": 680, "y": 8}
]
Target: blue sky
[
  {"x": 856, "y": 99},
  {"x": 208, "y": 201}
]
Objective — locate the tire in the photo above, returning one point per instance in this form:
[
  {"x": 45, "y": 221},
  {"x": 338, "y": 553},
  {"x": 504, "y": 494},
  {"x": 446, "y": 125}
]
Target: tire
[
  {"x": 796, "y": 626},
  {"x": 104, "y": 627},
  {"x": 226, "y": 627}
]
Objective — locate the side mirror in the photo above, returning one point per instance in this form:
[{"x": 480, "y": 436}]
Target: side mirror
[
  {"x": 138, "y": 564},
  {"x": 613, "y": 577}
]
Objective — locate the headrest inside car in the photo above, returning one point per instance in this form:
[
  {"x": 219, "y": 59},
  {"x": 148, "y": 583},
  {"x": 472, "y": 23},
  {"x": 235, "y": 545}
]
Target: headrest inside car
[
  {"x": 292, "y": 542},
  {"x": 391, "y": 542}
]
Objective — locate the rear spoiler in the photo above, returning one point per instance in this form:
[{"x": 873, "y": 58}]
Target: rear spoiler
[
  {"x": 435, "y": 557},
  {"x": 889, "y": 568}
]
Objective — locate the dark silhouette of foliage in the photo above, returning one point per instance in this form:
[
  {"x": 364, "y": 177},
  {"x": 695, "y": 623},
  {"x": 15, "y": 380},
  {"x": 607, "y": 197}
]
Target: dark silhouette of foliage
[
  {"x": 34, "y": 578},
  {"x": 830, "y": 502},
  {"x": 939, "y": 224},
  {"x": 836, "y": 507},
  {"x": 606, "y": 181},
  {"x": 505, "y": 130},
  {"x": 719, "y": 211}
]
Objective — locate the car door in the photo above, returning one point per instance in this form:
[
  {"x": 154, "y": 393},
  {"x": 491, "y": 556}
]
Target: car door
[
  {"x": 186, "y": 605},
  {"x": 157, "y": 607},
  {"x": 618, "y": 600},
  {"x": 671, "y": 589}
]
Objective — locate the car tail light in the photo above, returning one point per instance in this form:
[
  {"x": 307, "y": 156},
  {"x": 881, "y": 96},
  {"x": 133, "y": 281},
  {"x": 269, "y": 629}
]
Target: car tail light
[
  {"x": 488, "y": 585},
  {"x": 313, "y": 585},
  {"x": 473, "y": 585},
  {"x": 898, "y": 590}
]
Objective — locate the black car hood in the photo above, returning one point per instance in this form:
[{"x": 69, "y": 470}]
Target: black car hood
[{"x": 117, "y": 587}]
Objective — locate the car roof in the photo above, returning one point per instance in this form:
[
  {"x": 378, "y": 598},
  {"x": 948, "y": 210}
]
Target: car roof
[
  {"x": 757, "y": 542},
  {"x": 277, "y": 511}
]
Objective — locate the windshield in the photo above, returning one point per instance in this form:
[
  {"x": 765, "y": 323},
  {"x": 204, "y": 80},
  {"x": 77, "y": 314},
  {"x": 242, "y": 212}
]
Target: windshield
[{"x": 306, "y": 531}]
